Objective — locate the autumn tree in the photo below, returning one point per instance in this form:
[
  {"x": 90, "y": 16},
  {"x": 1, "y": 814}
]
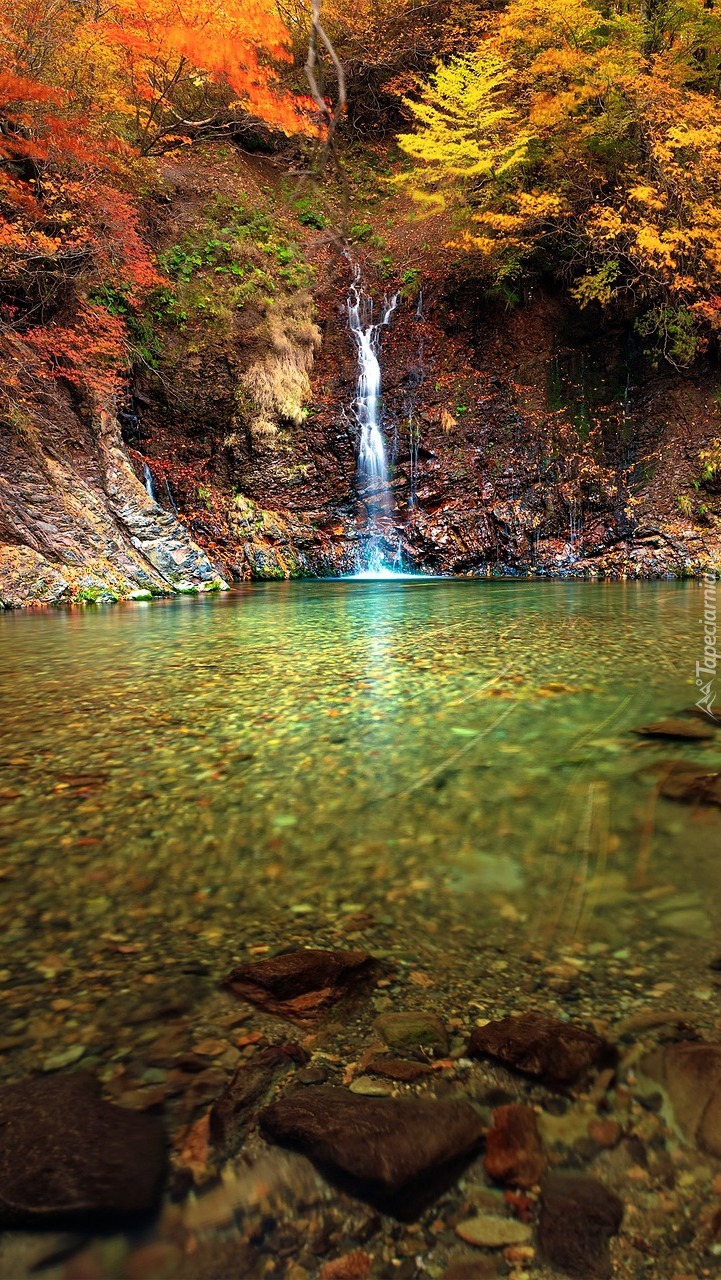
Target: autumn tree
[
  {"x": 85, "y": 92},
  {"x": 595, "y": 130},
  {"x": 184, "y": 66},
  {"x": 383, "y": 45}
]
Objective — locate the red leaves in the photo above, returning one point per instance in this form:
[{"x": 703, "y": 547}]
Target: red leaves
[
  {"x": 79, "y": 98},
  {"x": 20, "y": 91},
  {"x": 121, "y": 222},
  {"x": 88, "y": 352}
]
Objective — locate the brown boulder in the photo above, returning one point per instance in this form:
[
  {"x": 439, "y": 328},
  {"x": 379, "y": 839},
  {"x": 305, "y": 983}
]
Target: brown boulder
[
  {"x": 66, "y": 1155},
  {"x": 384, "y": 1144},
  {"x": 689, "y": 783},
  {"x": 538, "y": 1045},
  {"x": 232, "y": 1113},
  {"x": 514, "y": 1152},
  {"x": 690, "y": 1073},
  {"x": 300, "y": 985},
  {"x": 578, "y": 1218},
  {"x": 683, "y": 729}
]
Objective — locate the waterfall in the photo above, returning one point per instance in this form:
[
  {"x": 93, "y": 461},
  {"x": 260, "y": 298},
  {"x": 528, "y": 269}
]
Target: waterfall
[
  {"x": 372, "y": 464},
  {"x": 148, "y": 481}
]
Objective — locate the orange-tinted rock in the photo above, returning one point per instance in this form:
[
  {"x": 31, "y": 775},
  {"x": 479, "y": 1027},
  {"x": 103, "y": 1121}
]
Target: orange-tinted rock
[
  {"x": 397, "y": 1069},
  {"x": 300, "y": 985},
  {"x": 514, "y": 1152},
  {"x": 607, "y": 1133},
  {"x": 555, "y": 1052},
  {"x": 356, "y": 1265}
]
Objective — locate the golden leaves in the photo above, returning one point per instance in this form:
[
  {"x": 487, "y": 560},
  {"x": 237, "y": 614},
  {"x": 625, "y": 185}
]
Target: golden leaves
[{"x": 566, "y": 129}]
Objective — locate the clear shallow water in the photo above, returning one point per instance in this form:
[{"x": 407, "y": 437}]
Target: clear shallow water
[{"x": 190, "y": 778}]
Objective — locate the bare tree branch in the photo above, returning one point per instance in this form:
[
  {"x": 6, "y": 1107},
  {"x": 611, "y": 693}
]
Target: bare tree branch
[{"x": 332, "y": 116}]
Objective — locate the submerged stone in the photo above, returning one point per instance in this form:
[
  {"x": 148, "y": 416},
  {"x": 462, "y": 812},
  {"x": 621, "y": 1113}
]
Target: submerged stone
[
  {"x": 677, "y": 728},
  {"x": 370, "y": 1087},
  {"x": 690, "y": 1074},
  {"x": 493, "y": 1231},
  {"x": 555, "y": 1052},
  {"x": 67, "y": 1156},
  {"x": 232, "y": 1113},
  {"x": 707, "y": 714},
  {"x": 514, "y": 1151},
  {"x": 383, "y": 1144},
  {"x": 579, "y": 1215},
  {"x": 300, "y": 985},
  {"x": 689, "y": 783},
  {"x": 462, "y": 1266},
  {"x": 398, "y": 1069},
  {"x": 413, "y": 1032}
]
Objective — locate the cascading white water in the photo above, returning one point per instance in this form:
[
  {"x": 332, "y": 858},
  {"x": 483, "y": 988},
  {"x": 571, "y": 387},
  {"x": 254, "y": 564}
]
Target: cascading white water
[
  {"x": 148, "y": 480},
  {"x": 372, "y": 465}
]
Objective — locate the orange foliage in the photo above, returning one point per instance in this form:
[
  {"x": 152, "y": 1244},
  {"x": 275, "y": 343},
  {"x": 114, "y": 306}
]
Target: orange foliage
[
  {"x": 178, "y": 56},
  {"x": 89, "y": 352},
  {"x": 83, "y": 93}
]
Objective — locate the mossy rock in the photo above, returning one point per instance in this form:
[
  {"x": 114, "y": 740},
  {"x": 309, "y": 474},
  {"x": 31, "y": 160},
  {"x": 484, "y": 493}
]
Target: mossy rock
[
  {"x": 96, "y": 595},
  {"x": 413, "y": 1033}
]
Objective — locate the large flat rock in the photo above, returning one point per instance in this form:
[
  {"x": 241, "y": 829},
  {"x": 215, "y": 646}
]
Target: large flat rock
[
  {"x": 67, "y": 1156},
  {"x": 384, "y": 1144}
]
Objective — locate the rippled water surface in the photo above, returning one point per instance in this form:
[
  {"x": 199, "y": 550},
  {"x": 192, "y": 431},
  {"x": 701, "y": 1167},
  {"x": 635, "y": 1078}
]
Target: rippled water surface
[{"x": 188, "y": 779}]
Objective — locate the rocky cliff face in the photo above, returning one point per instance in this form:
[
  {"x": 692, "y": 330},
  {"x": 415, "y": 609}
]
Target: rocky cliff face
[
  {"x": 520, "y": 440},
  {"x": 76, "y": 523}
]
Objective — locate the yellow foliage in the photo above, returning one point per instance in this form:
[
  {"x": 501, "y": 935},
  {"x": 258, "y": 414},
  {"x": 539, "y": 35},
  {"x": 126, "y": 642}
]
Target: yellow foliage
[
  {"x": 594, "y": 134},
  {"x": 465, "y": 129}
]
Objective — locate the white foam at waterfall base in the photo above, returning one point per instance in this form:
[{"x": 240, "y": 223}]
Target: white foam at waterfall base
[
  {"x": 380, "y": 574},
  {"x": 372, "y": 465}
]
